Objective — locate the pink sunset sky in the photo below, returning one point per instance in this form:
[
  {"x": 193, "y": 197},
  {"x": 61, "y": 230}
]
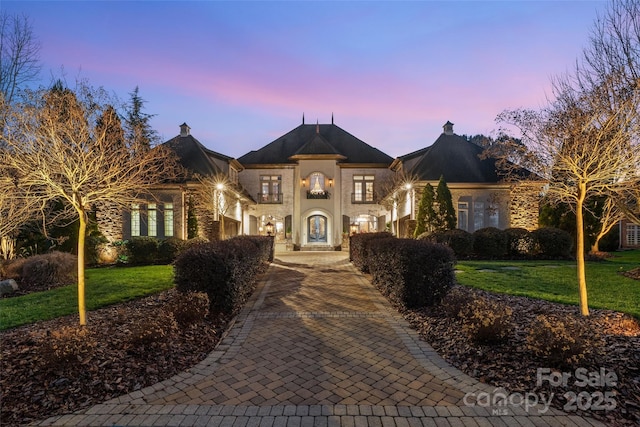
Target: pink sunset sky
[{"x": 243, "y": 73}]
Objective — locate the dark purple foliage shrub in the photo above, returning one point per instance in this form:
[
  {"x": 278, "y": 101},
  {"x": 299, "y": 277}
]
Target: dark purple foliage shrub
[
  {"x": 412, "y": 273},
  {"x": 359, "y": 248}
]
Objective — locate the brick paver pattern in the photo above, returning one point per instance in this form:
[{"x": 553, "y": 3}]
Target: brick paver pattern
[{"x": 316, "y": 345}]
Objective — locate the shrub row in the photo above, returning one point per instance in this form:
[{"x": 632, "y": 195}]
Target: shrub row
[
  {"x": 492, "y": 243},
  {"x": 411, "y": 273},
  {"x": 144, "y": 250},
  {"x": 225, "y": 270}
]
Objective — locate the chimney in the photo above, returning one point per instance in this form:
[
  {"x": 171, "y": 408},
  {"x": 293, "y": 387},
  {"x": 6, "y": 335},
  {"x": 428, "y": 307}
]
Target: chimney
[
  {"x": 448, "y": 128},
  {"x": 185, "y": 130}
]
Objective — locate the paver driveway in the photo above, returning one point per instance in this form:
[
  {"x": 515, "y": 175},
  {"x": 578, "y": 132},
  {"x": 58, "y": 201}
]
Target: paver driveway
[{"x": 315, "y": 345}]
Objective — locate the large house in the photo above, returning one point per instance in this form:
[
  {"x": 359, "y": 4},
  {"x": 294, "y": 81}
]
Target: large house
[
  {"x": 317, "y": 183},
  {"x": 481, "y": 196},
  {"x": 313, "y": 183}
]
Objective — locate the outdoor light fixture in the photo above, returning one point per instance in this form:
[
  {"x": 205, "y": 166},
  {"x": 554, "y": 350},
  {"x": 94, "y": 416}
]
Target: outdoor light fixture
[
  {"x": 304, "y": 182},
  {"x": 330, "y": 182},
  {"x": 269, "y": 227},
  {"x": 353, "y": 228}
]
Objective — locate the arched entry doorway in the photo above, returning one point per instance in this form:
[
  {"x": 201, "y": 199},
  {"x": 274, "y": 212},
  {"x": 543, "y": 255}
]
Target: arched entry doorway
[{"x": 317, "y": 226}]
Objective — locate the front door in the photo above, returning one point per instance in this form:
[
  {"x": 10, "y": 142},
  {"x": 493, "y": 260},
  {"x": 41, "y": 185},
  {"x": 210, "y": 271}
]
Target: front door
[{"x": 317, "y": 226}]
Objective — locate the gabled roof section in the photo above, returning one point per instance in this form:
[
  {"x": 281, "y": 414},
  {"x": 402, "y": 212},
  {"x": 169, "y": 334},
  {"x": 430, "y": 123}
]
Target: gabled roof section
[
  {"x": 195, "y": 157},
  {"x": 316, "y": 140},
  {"x": 455, "y": 158}
]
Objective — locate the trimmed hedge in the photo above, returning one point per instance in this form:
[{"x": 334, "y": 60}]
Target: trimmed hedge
[
  {"x": 493, "y": 243},
  {"x": 552, "y": 243},
  {"x": 359, "y": 248},
  {"x": 490, "y": 242},
  {"x": 412, "y": 273},
  {"x": 169, "y": 249},
  {"x": 519, "y": 242},
  {"x": 141, "y": 250},
  {"x": 460, "y": 241},
  {"x": 225, "y": 270}
]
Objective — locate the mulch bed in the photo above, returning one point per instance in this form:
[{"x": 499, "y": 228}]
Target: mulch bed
[
  {"x": 512, "y": 366},
  {"x": 53, "y": 367}
]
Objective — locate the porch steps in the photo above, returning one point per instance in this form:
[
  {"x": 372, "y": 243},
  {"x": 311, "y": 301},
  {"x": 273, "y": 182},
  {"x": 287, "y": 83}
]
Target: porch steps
[{"x": 317, "y": 248}]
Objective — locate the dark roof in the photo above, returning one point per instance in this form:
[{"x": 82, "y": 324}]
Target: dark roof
[
  {"x": 195, "y": 157},
  {"x": 317, "y": 139},
  {"x": 453, "y": 157}
]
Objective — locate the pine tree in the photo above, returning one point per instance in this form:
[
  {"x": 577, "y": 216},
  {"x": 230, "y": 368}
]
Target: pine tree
[
  {"x": 140, "y": 134},
  {"x": 426, "y": 212},
  {"x": 446, "y": 213}
]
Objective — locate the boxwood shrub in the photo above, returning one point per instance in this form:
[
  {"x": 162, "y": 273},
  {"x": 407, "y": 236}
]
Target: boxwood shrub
[
  {"x": 359, "y": 248},
  {"x": 225, "y": 270},
  {"x": 141, "y": 250},
  {"x": 169, "y": 249},
  {"x": 411, "y": 273},
  {"x": 490, "y": 242},
  {"x": 460, "y": 241},
  {"x": 519, "y": 242},
  {"x": 552, "y": 243}
]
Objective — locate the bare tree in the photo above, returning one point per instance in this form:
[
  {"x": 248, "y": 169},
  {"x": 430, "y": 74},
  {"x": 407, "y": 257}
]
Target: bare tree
[
  {"x": 19, "y": 56},
  {"x": 60, "y": 151},
  {"x": 582, "y": 148}
]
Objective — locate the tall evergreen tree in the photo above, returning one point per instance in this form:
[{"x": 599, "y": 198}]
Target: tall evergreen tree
[
  {"x": 109, "y": 130},
  {"x": 446, "y": 213},
  {"x": 140, "y": 135},
  {"x": 426, "y": 212}
]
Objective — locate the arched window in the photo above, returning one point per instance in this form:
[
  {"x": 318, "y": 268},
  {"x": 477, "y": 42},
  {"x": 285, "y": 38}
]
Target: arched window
[{"x": 316, "y": 183}]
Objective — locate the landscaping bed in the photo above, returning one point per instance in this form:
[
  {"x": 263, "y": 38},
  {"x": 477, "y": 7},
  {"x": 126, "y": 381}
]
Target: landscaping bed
[
  {"x": 513, "y": 365},
  {"x": 51, "y": 368}
]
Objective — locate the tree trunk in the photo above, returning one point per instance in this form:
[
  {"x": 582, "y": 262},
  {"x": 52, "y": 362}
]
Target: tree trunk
[
  {"x": 81, "y": 241},
  {"x": 582, "y": 278}
]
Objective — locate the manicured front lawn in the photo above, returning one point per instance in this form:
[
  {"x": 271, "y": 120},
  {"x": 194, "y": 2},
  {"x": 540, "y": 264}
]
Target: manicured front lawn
[
  {"x": 105, "y": 286},
  {"x": 556, "y": 280}
]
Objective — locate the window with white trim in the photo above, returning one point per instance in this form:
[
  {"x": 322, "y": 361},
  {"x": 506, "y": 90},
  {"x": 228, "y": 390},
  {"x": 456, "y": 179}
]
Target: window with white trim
[
  {"x": 463, "y": 216},
  {"x": 363, "y": 188},
  {"x": 135, "y": 219},
  {"x": 633, "y": 235},
  {"x": 168, "y": 220},
  {"x": 152, "y": 220},
  {"x": 478, "y": 215}
]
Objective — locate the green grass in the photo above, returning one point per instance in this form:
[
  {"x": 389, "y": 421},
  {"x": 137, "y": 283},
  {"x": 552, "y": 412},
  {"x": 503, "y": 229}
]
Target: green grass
[
  {"x": 105, "y": 286},
  {"x": 557, "y": 280}
]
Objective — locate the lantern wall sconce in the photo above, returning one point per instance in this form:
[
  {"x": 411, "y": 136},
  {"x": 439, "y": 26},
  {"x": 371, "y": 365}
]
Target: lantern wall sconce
[
  {"x": 303, "y": 182},
  {"x": 330, "y": 182},
  {"x": 269, "y": 227},
  {"x": 353, "y": 228}
]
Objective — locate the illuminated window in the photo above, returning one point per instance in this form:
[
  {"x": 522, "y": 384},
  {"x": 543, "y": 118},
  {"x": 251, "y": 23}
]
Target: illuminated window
[
  {"x": 135, "y": 220},
  {"x": 633, "y": 235},
  {"x": 363, "y": 188},
  {"x": 168, "y": 219},
  {"x": 270, "y": 187},
  {"x": 152, "y": 217},
  {"x": 316, "y": 183}
]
